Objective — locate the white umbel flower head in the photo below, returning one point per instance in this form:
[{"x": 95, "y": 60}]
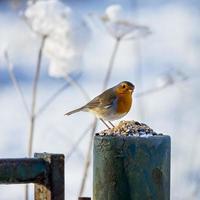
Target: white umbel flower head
[
  {"x": 120, "y": 26},
  {"x": 114, "y": 12},
  {"x": 44, "y": 16},
  {"x": 67, "y": 35}
]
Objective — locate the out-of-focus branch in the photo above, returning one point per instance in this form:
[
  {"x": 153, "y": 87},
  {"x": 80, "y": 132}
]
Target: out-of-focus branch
[
  {"x": 33, "y": 1},
  {"x": 52, "y": 98},
  {"x": 76, "y": 144},
  {"x": 70, "y": 81},
  {"x": 151, "y": 91},
  {"x": 34, "y": 97},
  {"x": 15, "y": 82},
  {"x": 79, "y": 87},
  {"x": 139, "y": 77},
  {"x": 88, "y": 159},
  {"x": 160, "y": 88},
  {"x": 111, "y": 63}
]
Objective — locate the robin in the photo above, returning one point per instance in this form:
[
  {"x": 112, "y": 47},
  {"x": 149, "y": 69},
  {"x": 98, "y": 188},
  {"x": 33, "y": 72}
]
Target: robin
[{"x": 112, "y": 104}]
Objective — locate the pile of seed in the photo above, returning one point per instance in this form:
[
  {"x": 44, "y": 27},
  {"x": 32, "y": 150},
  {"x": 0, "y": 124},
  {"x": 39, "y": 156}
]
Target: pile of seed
[{"x": 129, "y": 128}]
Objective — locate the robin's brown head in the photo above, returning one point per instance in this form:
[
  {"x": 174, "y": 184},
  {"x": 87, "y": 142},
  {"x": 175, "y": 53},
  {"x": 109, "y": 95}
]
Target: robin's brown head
[{"x": 124, "y": 87}]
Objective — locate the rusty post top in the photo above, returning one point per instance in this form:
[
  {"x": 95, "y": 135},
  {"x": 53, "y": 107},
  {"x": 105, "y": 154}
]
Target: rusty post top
[
  {"x": 48, "y": 156},
  {"x": 55, "y": 187}
]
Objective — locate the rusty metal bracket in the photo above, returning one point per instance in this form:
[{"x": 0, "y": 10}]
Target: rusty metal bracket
[{"x": 45, "y": 170}]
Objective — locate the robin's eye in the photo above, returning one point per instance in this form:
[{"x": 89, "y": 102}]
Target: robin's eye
[{"x": 124, "y": 86}]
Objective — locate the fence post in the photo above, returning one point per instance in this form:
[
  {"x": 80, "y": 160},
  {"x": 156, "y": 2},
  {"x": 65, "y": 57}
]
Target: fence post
[
  {"x": 131, "y": 168},
  {"x": 46, "y": 171},
  {"x": 53, "y": 189}
]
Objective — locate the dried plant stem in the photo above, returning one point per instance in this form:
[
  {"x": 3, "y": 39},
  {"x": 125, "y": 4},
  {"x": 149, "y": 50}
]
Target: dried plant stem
[
  {"x": 158, "y": 89},
  {"x": 139, "y": 76},
  {"x": 111, "y": 63},
  {"x": 33, "y": 1},
  {"x": 33, "y": 105},
  {"x": 78, "y": 86},
  {"x": 76, "y": 144},
  {"x": 150, "y": 91},
  {"x": 15, "y": 83},
  {"x": 70, "y": 81},
  {"x": 34, "y": 97},
  {"x": 88, "y": 159},
  {"x": 51, "y": 99}
]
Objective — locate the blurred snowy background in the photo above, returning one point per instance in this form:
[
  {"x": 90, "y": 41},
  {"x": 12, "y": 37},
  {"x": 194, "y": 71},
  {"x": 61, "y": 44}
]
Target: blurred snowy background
[{"x": 160, "y": 54}]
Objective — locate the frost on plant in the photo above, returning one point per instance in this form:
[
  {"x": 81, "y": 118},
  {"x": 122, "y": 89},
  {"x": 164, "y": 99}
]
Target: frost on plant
[
  {"x": 67, "y": 34},
  {"x": 120, "y": 25}
]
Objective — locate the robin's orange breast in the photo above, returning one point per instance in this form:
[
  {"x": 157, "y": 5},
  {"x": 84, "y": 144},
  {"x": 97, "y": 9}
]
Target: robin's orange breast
[{"x": 124, "y": 103}]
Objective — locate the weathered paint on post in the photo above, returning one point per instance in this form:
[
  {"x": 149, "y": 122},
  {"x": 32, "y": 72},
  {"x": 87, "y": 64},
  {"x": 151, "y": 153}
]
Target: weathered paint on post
[
  {"x": 24, "y": 170},
  {"x": 53, "y": 189},
  {"x": 46, "y": 171},
  {"x": 131, "y": 168}
]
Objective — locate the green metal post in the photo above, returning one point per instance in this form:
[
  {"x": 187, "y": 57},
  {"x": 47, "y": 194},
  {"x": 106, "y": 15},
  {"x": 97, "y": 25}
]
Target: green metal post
[{"x": 131, "y": 168}]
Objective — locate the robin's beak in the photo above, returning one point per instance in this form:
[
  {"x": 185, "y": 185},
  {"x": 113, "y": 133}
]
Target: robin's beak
[{"x": 131, "y": 89}]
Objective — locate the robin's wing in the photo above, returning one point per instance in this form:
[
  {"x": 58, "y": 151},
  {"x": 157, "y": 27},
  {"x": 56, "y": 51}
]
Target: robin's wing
[{"x": 104, "y": 100}]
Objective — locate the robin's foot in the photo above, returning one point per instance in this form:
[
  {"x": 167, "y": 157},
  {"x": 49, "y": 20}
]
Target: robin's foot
[
  {"x": 111, "y": 124},
  {"x": 105, "y": 123}
]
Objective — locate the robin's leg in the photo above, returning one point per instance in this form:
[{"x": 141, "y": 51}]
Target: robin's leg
[
  {"x": 111, "y": 124},
  {"x": 105, "y": 123}
]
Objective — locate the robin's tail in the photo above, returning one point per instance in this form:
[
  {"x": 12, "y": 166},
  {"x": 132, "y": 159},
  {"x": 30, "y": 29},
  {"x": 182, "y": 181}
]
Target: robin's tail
[{"x": 74, "y": 111}]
